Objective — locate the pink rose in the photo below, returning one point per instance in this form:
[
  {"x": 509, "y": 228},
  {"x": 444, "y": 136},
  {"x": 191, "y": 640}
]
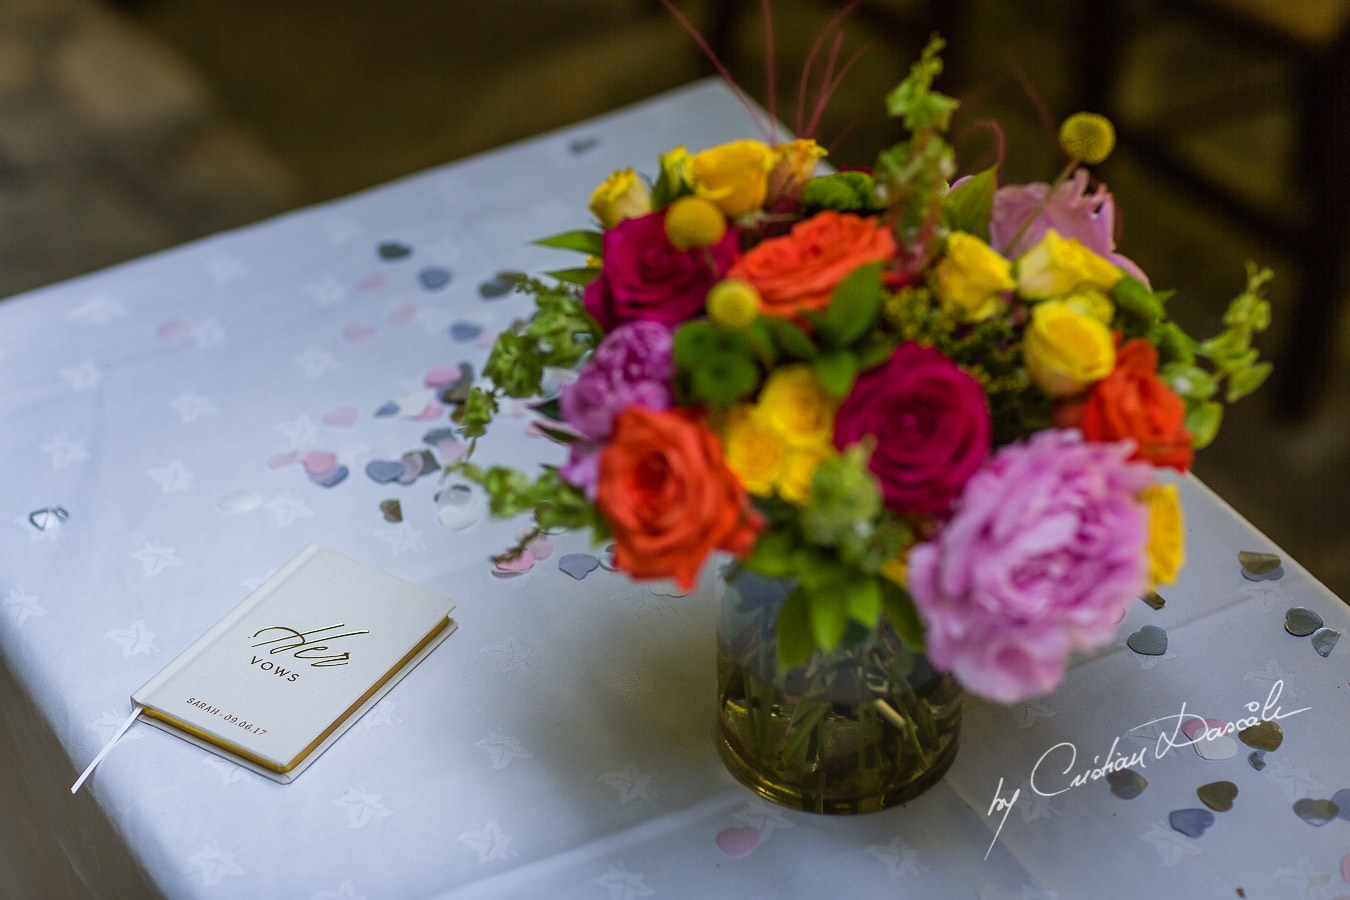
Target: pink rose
[
  {"x": 644, "y": 277},
  {"x": 931, "y": 425},
  {"x": 1044, "y": 551}
]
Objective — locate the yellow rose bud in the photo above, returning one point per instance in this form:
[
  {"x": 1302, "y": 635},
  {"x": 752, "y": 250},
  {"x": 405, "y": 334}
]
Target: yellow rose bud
[
  {"x": 1065, "y": 351},
  {"x": 797, "y": 406},
  {"x": 675, "y": 169},
  {"x": 1092, "y": 303},
  {"x": 755, "y": 452},
  {"x": 735, "y": 176},
  {"x": 1166, "y": 533},
  {"x": 1087, "y": 137},
  {"x": 694, "y": 222},
  {"x": 1059, "y": 266},
  {"x": 972, "y": 277},
  {"x": 733, "y": 303},
  {"x": 794, "y": 164},
  {"x": 621, "y": 196},
  {"x": 794, "y": 482}
]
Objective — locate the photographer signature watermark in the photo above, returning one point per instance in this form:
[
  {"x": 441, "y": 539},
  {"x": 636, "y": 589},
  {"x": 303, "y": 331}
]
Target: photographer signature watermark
[{"x": 1050, "y": 776}]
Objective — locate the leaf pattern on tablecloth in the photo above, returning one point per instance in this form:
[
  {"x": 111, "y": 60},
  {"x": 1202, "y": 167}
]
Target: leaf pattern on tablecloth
[
  {"x": 501, "y": 748},
  {"x": 490, "y": 843},
  {"x": 622, "y": 884},
  {"x": 155, "y": 557},
  {"x": 362, "y": 807},
  {"x": 23, "y": 606},
  {"x": 213, "y": 864},
  {"x": 899, "y": 857},
  {"x": 630, "y": 781}
]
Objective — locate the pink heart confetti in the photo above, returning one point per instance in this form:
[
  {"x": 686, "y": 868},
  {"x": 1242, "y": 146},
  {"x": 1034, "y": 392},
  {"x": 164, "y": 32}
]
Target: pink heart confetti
[
  {"x": 173, "y": 330},
  {"x": 355, "y": 332},
  {"x": 449, "y": 450},
  {"x": 486, "y": 340},
  {"x": 372, "y": 282},
  {"x": 440, "y": 376},
  {"x": 281, "y": 460},
  {"x": 1345, "y": 867},
  {"x": 532, "y": 430},
  {"x": 342, "y": 417},
  {"x": 404, "y": 314},
  {"x": 414, "y": 403},
  {"x": 319, "y": 462},
  {"x": 738, "y": 842},
  {"x": 432, "y": 411},
  {"x": 521, "y": 562}
]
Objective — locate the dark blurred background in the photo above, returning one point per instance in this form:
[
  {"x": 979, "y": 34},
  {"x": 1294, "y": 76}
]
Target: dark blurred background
[{"x": 127, "y": 127}]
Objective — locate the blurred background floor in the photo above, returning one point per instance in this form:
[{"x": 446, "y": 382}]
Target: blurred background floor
[{"x": 129, "y": 127}]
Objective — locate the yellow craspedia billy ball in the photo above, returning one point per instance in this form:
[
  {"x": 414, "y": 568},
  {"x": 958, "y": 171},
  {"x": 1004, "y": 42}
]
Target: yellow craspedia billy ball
[
  {"x": 1088, "y": 137},
  {"x": 733, "y": 303},
  {"x": 694, "y": 222}
]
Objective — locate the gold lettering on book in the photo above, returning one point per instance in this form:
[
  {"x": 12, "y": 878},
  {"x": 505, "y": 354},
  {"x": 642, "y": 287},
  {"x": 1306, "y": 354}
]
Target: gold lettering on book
[{"x": 305, "y": 645}]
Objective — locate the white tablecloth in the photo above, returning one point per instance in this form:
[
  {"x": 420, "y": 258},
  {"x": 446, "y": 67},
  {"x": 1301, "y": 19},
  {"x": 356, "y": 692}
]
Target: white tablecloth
[{"x": 560, "y": 744}]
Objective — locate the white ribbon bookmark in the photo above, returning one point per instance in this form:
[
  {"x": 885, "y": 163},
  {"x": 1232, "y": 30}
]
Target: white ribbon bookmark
[{"x": 106, "y": 747}]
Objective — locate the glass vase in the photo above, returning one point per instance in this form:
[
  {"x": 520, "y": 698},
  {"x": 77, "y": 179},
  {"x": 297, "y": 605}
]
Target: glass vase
[{"x": 867, "y": 726}]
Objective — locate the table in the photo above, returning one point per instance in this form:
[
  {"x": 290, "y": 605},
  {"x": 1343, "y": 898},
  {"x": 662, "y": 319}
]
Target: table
[{"x": 178, "y": 410}]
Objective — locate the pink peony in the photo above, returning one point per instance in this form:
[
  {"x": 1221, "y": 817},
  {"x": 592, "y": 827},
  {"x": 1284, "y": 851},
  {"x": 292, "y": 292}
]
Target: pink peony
[
  {"x": 931, "y": 425},
  {"x": 1043, "y": 552},
  {"x": 645, "y": 278},
  {"x": 1071, "y": 211},
  {"x": 632, "y": 366}
]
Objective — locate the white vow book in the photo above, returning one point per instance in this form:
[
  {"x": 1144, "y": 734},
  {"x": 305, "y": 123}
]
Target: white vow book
[{"x": 276, "y": 681}]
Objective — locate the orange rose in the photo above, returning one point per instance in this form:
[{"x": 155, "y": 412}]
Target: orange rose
[
  {"x": 1132, "y": 402},
  {"x": 799, "y": 270},
  {"x": 669, "y": 497}
]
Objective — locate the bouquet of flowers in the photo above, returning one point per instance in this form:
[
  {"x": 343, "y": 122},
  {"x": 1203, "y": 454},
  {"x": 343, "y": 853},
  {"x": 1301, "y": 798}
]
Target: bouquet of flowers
[{"x": 938, "y": 403}]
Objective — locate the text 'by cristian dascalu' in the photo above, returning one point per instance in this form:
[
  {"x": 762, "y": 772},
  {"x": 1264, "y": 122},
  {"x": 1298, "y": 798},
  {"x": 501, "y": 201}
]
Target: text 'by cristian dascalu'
[
  {"x": 313, "y": 647},
  {"x": 1058, "y": 770}
]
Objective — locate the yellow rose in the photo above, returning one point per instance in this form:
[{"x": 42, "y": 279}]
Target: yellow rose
[
  {"x": 1066, "y": 350},
  {"x": 972, "y": 277},
  {"x": 793, "y": 165},
  {"x": 1058, "y": 266},
  {"x": 794, "y": 483},
  {"x": 735, "y": 176},
  {"x": 1166, "y": 533},
  {"x": 1093, "y": 303},
  {"x": 797, "y": 406},
  {"x": 621, "y": 196},
  {"x": 755, "y": 452}
]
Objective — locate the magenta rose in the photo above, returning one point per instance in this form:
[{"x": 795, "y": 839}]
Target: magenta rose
[
  {"x": 644, "y": 277},
  {"x": 1044, "y": 550},
  {"x": 931, "y": 425}
]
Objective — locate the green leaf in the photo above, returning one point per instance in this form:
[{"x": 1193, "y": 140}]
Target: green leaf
[
  {"x": 1247, "y": 380},
  {"x": 970, "y": 204},
  {"x": 874, "y": 352},
  {"x": 1191, "y": 382},
  {"x": 794, "y": 638},
  {"x": 1132, "y": 297},
  {"x": 854, "y": 306},
  {"x": 899, "y": 610},
  {"x": 582, "y": 276},
  {"x": 914, "y": 101},
  {"x": 836, "y": 371},
  {"x": 583, "y": 240},
  {"x": 1202, "y": 421},
  {"x": 862, "y": 597},
  {"x": 828, "y": 617},
  {"x": 773, "y": 553},
  {"x": 789, "y": 338},
  {"x": 562, "y": 436},
  {"x": 1174, "y": 345}
]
